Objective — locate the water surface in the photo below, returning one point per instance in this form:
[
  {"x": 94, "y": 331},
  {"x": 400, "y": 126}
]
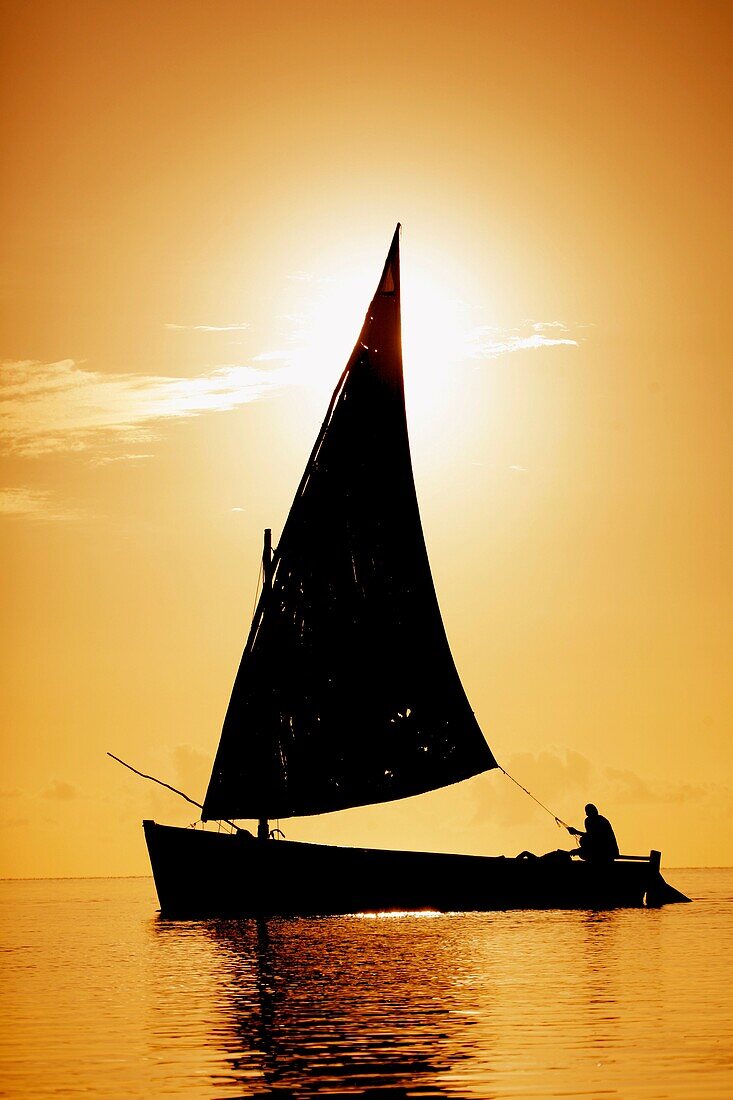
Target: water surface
[{"x": 102, "y": 997}]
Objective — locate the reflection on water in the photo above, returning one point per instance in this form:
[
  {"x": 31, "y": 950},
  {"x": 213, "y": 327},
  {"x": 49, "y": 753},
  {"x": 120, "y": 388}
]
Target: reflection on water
[
  {"x": 107, "y": 999},
  {"x": 336, "y": 1001}
]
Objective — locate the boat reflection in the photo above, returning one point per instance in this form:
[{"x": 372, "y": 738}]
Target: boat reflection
[
  {"x": 333, "y": 1005},
  {"x": 487, "y": 1005}
]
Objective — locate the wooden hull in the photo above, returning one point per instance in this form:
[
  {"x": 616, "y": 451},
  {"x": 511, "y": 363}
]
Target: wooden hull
[{"x": 205, "y": 874}]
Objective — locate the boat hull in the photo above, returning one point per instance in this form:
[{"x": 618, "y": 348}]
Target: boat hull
[{"x": 205, "y": 874}]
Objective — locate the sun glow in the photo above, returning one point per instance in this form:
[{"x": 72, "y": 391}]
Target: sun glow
[
  {"x": 435, "y": 336},
  {"x": 435, "y": 339},
  {"x": 399, "y": 914}
]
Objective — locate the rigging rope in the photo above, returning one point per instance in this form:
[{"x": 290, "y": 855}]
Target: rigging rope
[
  {"x": 558, "y": 820},
  {"x": 144, "y": 775}
]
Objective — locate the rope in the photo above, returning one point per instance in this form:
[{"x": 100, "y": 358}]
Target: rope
[
  {"x": 558, "y": 820},
  {"x": 144, "y": 775},
  {"x": 160, "y": 782}
]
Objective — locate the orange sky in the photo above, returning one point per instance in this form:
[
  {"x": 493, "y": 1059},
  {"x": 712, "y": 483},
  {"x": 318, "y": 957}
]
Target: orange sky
[{"x": 198, "y": 199}]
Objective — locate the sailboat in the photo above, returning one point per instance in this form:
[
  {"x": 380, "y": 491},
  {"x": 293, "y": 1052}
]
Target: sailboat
[{"x": 347, "y": 695}]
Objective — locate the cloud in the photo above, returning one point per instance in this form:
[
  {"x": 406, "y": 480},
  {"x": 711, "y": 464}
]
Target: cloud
[
  {"x": 61, "y": 791},
  {"x": 33, "y": 504},
  {"x": 486, "y": 342},
  {"x": 22, "y": 502},
  {"x": 242, "y": 327},
  {"x": 560, "y": 779},
  {"x": 61, "y": 407},
  {"x": 625, "y": 786},
  {"x": 565, "y": 781},
  {"x": 544, "y": 326},
  {"x": 105, "y": 460},
  {"x": 272, "y": 356},
  {"x": 192, "y": 769}
]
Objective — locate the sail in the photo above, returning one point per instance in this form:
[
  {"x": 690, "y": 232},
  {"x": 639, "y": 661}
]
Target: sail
[{"x": 347, "y": 693}]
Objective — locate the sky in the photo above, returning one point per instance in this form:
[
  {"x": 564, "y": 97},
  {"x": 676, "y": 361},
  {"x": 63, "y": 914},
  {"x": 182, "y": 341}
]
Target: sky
[{"x": 197, "y": 199}]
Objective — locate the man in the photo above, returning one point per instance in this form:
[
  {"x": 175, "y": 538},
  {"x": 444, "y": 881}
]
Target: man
[{"x": 598, "y": 842}]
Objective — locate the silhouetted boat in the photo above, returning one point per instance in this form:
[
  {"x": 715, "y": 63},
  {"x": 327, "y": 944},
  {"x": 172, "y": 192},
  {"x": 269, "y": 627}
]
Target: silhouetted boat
[{"x": 347, "y": 695}]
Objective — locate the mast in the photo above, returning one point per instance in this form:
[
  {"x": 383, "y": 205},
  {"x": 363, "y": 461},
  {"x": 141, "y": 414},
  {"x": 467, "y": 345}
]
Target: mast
[{"x": 263, "y": 825}]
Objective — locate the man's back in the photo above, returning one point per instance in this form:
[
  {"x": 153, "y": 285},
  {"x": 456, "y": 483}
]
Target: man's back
[{"x": 603, "y": 844}]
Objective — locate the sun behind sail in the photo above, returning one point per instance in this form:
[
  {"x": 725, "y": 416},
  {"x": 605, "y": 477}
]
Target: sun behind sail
[{"x": 347, "y": 693}]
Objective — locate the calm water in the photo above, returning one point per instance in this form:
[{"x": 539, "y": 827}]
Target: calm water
[{"x": 101, "y": 997}]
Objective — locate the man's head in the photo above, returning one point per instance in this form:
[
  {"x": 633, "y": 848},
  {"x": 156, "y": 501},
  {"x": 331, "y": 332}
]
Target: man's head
[{"x": 591, "y": 810}]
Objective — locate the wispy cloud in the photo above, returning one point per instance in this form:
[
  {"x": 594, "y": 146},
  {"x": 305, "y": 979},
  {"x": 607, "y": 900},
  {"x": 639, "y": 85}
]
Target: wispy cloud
[
  {"x": 34, "y": 504},
  {"x": 272, "y": 356},
  {"x": 132, "y": 459},
  {"x": 488, "y": 342},
  {"x": 61, "y": 407},
  {"x": 549, "y": 326},
  {"x": 22, "y": 502},
  {"x": 240, "y": 327},
  {"x": 64, "y": 407}
]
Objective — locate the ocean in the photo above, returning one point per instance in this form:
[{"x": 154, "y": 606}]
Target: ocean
[{"x": 102, "y": 998}]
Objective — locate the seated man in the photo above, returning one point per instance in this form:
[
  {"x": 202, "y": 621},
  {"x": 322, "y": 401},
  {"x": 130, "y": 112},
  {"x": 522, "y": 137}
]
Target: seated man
[{"x": 598, "y": 842}]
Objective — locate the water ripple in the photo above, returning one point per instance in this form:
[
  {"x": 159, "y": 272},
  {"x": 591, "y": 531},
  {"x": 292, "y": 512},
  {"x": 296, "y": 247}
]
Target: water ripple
[{"x": 104, "y": 998}]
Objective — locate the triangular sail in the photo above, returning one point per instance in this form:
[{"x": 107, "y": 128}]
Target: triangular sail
[{"x": 347, "y": 693}]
